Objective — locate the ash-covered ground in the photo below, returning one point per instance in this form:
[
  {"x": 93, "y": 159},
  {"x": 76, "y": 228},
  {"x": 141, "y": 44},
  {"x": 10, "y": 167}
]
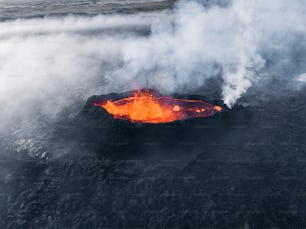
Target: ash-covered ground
[{"x": 67, "y": 164}]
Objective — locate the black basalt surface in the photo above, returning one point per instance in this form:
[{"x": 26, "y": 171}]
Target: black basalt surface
[
  {"x": 39, "y": 8},
  {"x": 242, "y": 168}
]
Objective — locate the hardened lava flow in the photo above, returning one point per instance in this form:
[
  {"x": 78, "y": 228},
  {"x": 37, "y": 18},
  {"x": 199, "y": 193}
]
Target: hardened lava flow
[{"x": 144, "y": 106}]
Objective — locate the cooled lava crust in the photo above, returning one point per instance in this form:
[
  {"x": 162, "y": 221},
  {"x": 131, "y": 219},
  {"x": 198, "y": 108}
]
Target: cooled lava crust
[{"x": 117, "y": 138}]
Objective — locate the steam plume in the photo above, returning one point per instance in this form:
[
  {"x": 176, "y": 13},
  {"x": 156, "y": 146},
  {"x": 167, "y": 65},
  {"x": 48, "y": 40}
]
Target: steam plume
[{"x": 50, "y": 63}]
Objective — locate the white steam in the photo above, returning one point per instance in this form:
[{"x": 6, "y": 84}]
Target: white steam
[
  {"x": 48, "y": 64},
  {"x": 182, "y": 54}
]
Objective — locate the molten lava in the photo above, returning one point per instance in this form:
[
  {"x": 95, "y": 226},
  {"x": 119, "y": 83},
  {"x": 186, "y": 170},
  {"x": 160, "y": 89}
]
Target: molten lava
[{"x": 143, "y": 106}]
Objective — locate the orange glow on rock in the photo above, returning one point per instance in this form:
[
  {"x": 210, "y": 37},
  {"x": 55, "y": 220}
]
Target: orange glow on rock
[{"x": 144, "y": 107}]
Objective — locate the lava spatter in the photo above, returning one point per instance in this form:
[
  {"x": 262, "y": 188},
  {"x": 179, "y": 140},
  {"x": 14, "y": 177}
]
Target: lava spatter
[{"x": 145, "y": 107}]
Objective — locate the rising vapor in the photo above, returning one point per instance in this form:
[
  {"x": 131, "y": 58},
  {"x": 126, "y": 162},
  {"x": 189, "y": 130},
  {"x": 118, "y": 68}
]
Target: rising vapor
[
  {"x": 182, "y": 54},
  {"x": 49, "y": 63}
]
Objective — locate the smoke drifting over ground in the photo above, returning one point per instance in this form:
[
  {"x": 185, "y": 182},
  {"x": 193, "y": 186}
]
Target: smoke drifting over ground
[
  {"x": 65, "y": 163},
  {"x": 48, "y": 64},
  {"x": 202, "y": 43}
]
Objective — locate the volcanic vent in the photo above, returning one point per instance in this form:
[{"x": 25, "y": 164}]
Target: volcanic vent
[
  {"x": 147, "y": 106},
  {"x": 147, "y": 124}
]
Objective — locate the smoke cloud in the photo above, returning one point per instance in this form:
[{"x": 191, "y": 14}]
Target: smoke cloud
[
  {"x": 240, "y": 38},
  {"x": 50, "y": 64}
]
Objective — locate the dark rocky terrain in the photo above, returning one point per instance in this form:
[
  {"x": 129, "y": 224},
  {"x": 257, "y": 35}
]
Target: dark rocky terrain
[
  {"x": 243, "y": 168},
  {"x": 38, "y": 8}
]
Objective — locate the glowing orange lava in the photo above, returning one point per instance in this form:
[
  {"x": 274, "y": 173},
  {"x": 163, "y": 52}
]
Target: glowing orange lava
[{"x": 143, "y": 106}]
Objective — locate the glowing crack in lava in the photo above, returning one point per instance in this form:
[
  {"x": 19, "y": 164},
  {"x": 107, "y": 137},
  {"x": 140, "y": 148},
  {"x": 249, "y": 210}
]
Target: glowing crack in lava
[{"x": 145, "y": 107}]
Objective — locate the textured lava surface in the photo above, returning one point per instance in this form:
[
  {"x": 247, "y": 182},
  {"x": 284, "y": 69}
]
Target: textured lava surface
[
  {"x": 39, "y": 8},
  {"x": 243, "y": 168}
]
